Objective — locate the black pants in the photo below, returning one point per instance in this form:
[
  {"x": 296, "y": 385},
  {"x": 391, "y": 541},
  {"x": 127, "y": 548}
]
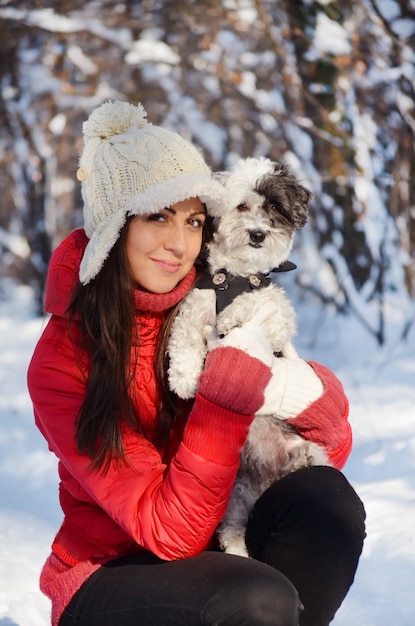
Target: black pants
[{"x": 309, "y": 527}]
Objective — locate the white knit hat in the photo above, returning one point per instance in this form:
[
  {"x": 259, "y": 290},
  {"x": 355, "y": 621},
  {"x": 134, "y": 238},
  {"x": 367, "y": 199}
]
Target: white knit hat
[{"x": 130, "y": 167}]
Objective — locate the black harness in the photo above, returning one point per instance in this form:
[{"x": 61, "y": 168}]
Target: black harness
[{"x": 227, "y": 286}]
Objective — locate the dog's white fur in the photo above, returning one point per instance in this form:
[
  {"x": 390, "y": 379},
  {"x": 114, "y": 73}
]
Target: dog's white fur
[{"x": 255, "y": 235}]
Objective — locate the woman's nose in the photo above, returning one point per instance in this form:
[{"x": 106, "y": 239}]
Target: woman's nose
[{"x": 176, "y": 240}]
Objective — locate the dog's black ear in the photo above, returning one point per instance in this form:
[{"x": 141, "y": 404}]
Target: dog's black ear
[{"x": 301, "y": 199}]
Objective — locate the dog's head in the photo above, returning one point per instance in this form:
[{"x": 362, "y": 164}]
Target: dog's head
[{"x": 266, "y": 205}]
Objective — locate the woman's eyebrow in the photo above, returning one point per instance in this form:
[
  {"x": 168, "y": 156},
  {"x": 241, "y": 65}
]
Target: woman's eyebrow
[{"x": 201, "y": 211}]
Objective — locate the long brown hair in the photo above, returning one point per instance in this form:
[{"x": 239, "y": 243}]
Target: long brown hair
[{"x": 105, "y": 312}]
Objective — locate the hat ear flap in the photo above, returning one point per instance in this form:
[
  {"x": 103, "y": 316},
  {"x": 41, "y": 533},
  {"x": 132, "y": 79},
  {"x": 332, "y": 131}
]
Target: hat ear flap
[{"x": 100, "y": 244}]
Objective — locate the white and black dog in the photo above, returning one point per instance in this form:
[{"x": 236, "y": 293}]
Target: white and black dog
[{"x": 251, "y": 240}]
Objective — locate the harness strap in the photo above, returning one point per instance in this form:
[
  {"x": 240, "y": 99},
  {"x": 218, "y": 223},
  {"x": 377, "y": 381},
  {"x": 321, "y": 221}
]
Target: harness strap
[{"x": 227, "y": 286}]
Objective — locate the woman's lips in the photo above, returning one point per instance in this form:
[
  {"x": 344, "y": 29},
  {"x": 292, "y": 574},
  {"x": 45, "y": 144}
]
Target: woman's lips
[{"x": 167, "y": 266}]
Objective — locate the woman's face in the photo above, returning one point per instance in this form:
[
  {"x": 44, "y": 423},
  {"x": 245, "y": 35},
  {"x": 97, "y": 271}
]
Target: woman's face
[{"x": 162, "y": 247}]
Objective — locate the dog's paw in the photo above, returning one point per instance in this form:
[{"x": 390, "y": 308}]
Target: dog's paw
[
  {"x": 183, "y": 381},
  {"x": 238, "y": 549}
]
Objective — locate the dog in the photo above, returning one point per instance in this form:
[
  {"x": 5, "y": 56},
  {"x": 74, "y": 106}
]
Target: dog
[{"x": 253, "y": 239}]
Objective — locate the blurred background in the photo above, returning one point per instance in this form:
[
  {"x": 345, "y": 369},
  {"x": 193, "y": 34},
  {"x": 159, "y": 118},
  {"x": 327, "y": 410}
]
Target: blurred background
[{"x": 326, "y": 86}]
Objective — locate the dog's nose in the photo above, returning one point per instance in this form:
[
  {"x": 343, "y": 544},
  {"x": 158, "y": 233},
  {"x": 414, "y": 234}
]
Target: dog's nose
[{"x": 257, "y": 236}]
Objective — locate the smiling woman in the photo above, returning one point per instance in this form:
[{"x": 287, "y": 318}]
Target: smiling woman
[
  {"x": 163, "y": 247},
  {"x": 146, "y": 477}
]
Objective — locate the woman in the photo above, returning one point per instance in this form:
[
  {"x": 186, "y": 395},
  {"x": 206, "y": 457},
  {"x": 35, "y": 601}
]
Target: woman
[{"x": 145, "y": 479}]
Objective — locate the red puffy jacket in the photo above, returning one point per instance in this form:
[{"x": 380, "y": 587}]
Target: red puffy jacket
[{"x": 169, "y": 500}]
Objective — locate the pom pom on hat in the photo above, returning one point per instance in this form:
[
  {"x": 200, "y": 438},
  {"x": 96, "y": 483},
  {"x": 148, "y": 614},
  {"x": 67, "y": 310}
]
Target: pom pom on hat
[
  {"x": 114, "y": 118},
  {"x": 130, "y": 167}
]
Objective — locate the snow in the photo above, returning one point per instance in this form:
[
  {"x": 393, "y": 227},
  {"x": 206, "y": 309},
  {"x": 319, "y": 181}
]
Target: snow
[
  {"x": 380, "y": 386},
  {"x": 330, "y": 38},
  {"x": 378, "y": 380},
  {"x": 148, "y": 48},
  {"x": 50, "y": 20}
]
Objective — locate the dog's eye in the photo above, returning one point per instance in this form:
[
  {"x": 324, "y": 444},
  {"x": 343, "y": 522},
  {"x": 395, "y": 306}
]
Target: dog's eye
[{"x": 242, "y": 207}]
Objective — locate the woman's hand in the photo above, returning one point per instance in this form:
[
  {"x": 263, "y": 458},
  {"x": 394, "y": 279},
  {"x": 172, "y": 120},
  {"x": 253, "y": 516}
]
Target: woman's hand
[{"x": 294, "y": 385}]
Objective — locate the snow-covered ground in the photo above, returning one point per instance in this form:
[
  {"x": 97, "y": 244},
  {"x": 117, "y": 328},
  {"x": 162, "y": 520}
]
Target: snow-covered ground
[{"x": 381, "y": 389}]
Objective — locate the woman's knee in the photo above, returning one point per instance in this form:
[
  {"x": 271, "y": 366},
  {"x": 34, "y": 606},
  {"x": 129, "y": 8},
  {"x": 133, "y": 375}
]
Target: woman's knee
[
  {"x": 310, "y": 526},
  {"x": 267, "y": 604},
  {"x": 319, "y": 499},
  {"x": 323, "y": 493},
  {"x": 253, "y": 594}
]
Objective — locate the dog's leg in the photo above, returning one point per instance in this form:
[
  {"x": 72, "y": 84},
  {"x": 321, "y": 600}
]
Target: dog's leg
[
  {"x": 188, "y": 341},
  {"x": 231, "y": 530}
]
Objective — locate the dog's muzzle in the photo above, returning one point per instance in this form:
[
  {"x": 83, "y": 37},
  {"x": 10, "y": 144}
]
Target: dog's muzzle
[{"x": 256, "y": 238}]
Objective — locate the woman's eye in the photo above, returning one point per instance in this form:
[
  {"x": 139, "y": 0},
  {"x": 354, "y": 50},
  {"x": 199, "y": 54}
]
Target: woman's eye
[
  {"x": 156, "y": 217},
  {"x": 196, "y": 222}
]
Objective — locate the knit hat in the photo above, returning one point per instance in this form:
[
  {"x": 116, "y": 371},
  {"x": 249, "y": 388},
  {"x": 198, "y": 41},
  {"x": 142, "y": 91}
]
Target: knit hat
[{"x": 130, "y": 167}]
